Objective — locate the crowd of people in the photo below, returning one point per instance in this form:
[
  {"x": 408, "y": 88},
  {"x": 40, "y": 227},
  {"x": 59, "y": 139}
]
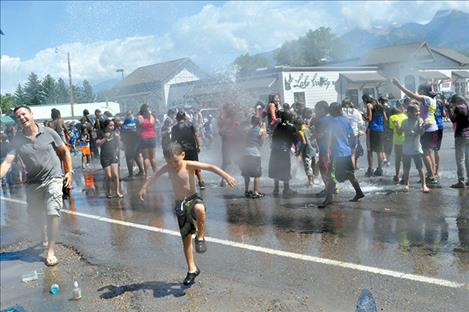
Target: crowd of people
[{"x": 326, "y": 139}]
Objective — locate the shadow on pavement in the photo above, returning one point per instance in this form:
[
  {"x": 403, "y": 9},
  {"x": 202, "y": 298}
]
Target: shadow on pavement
[
  {"x": 160, "y": 289},
  {"x": 31, "y": 254}
]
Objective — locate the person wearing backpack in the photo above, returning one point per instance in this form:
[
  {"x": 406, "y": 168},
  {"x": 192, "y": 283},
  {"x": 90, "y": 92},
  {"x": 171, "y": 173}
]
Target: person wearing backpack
[{"x": 458, "y": 112}]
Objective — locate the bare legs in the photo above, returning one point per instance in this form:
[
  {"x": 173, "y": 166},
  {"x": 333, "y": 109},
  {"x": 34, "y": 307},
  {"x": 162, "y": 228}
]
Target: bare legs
[
  {"x": 437, "y": 162},
  {"x": 198, "y": 173},
  {"x": 111, "y": 173},
  {"x": 397, "y": 161},
  {"x": 187, "y": 241},
  {"x": 429, "y": 162},
  {"x": 148, "y": 155},
  {"x": 247, "y": 180},
  {"x": 52, "y": 233}
]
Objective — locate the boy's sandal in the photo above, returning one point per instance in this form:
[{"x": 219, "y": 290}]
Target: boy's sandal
[
  {"x": 248, "y": 194},
  {"x": 257, "y": 195},
  {"x": 200, "y": 246},
  {"x": 190, "y": 277}
]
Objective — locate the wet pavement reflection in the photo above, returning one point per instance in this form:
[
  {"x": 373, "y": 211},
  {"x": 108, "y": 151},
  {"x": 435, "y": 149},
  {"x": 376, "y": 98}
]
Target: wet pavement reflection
[{"x": 425, "y": 234}]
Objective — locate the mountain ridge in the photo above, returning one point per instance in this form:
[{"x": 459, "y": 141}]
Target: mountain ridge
[{"x": 447, "y": 29}]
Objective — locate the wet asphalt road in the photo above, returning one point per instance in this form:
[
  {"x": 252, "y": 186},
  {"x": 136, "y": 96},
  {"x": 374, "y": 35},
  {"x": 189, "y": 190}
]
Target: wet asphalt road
[{"x": 124, "y": 268}]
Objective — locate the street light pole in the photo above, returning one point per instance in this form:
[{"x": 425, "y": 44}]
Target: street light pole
[
  {"x": 120, "y": 70},
  {"x": 70, "y": 83}
]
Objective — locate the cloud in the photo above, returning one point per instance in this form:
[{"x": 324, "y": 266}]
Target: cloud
[
  {"x": 94, "y": 62},
  {"x": 215, "y": 36},
  {"x": 367, "y": 14}
]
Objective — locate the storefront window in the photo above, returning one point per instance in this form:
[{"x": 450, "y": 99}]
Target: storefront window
[
  {"x": 460, "y": 88},
  {"x": 352, "y": 94},
  {"x": 369, "y": 91}
]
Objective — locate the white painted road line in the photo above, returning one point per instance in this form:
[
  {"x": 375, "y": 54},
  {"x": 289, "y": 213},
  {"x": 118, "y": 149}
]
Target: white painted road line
[{"x": 292, "y": 255}]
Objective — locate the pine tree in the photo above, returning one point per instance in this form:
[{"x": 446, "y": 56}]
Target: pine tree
[
  {"x": 63, "y": 95},
  {"x": 78, "y": 94},
  {"x": 33, "y": 91},
  {"x": 20, "y": 96},
  {"x": 49, "y": 90},
  {"x": 7, "y": 103},
  {"x": 87, "y": 92}
]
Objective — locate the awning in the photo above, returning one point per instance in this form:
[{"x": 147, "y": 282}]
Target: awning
[
  {"x": 432, "y": 74},
  {"x": 461, "y": 73},
  {"x": 363, "y": 77}
]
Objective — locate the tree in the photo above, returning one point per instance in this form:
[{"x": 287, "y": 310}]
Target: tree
[
  {"x": 246, "y": 62},
  {"x": 78, "y": 94},
  {"x": 87, "y": 92},
  {"x": 63, "y": 95},
  {"x": 20, "y": 96},
  {"x": 7, "y": 102},
  {"x": 33, "y": 91},
  {"x": 310, "y": 49},
  {"x": 49, "y": 90},
  {"x": 290, "y": 53}
]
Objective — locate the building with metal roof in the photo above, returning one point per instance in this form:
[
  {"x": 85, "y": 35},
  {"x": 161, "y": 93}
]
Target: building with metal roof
[{"x": 152, "y": 84}]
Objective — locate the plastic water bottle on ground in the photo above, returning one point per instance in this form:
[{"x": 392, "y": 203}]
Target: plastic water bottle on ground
[
  {"x": 76, "y": 293},
  {"x": 30, "y": 276},
  {"x": 366, "y": 302},
  {"x": 54, "y": 289}
]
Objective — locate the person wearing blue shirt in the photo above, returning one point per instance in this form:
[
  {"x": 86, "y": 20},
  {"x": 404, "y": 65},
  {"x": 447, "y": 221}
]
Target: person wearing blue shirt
[
  {"x": 376, "y": 116},
  {"x": 440, "y": 114},
  {"x": 340, "y": 139}
]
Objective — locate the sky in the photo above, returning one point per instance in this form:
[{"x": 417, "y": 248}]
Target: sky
[{"x": 102, "y": 36}]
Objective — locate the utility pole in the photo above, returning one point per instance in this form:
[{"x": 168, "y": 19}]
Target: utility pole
[{"x": 70, "y": 83}]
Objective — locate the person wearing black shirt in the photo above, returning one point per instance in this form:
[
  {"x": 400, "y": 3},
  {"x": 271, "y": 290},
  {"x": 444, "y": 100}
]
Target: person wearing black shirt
[{"x": 185, "y": 134}]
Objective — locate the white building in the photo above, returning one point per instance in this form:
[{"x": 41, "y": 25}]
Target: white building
[
  {"x": 415, "y": 63},
  {"x": 152, "y": 84}
]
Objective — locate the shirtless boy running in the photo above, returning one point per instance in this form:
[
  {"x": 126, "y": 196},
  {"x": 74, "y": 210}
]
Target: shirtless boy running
[{"x": 189, "y": 208}]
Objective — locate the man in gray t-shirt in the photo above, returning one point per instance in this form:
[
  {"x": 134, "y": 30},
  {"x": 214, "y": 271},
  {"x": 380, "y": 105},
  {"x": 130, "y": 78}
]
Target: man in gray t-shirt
[{"x": 38, "y": 148}]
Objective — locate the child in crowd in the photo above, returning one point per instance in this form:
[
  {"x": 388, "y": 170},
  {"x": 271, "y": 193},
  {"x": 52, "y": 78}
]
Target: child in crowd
[
  {"x": 73, "y": 137},
  {"x": 429, "y": 139},
  {"x": 340, "y": 138},
  {"x": 189, "y": 207},
  {"x": 395, "y": 122},
  {"x": 84, "y": 143},
  {"x": 306, "y": 150},
  {"x": 440, "y": 114},
  {"x": 284, "y": 136},
  {"x": 413, "y": 127},
  {"x": 251, "y": 164},
  {"x": 166, "y": 137},
  {"x": 376, "y": 116},
  {"x": 320, "y": 126}
]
